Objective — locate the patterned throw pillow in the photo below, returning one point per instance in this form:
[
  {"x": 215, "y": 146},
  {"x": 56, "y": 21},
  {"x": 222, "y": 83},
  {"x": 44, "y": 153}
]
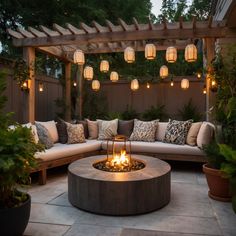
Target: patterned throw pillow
[
  {"x": 144, "y": 130},
  {"x": 107, "y": 129},
  {"x": 62, "y": 131},
  {"x": 44, "y": 136},
  {"x": 176, "y": 131},
  {"x": 75, "y": 133}
]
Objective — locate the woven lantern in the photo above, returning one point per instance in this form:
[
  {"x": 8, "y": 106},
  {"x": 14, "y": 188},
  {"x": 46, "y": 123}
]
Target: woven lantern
[
  {"x": 95, "y": 85},
  {"x": 79, "y": 57},
  {"x": 134, "y": 85},
  {"x": 88, "y": 72},
  {"x": 164, "y": 72},
  {"x": 190, "y": 53},
  {"x": 129, "y": 55},
  {"x": 114, "y": 77},
  {"x": 104, "y": 66},
  {"x": 171, "y": 54},
  {"x": 150, "y": 51},
  {"x": 184, "y": 84}
]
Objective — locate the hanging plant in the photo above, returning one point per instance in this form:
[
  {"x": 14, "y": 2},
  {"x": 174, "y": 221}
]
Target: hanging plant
[{"x": 21, "y": 73}]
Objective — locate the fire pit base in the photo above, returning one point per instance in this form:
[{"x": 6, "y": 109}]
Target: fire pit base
[{"x": 115, "y": 193}]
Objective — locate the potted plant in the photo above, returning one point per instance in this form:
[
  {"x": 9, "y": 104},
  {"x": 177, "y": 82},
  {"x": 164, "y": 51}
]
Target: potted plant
[
  {"x": 221, "y": 154},
  {"x": 217, "y": 182},
  {"x": 17, "y": 149},
  {"x": 228, "y": 168}
]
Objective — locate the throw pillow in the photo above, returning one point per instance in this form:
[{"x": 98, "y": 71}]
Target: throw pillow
[
  {"x": 33, "y": 131},
  {"x": 52, "y": 129},
  {"x": 107, "y": 129},
  {"x": 144, "y": 130},
  {"x": 62, "y": 131},
  {"x": 192, "y": 134},
  {"x": 125, "y": 127},
  {"x": 44, "y": 136},
  {"x": 176, "y": 131},
  {"x": 75, "y": 133},
  {"x": 92, "y": 129},
  {"x": 85, "y": 124},
  {"x": 205, "y": 134},
  {"x": 161, "y": 130}
]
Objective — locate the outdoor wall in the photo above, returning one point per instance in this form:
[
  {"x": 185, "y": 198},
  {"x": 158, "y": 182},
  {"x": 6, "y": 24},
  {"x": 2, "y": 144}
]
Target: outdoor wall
[
  {"x": 119, "y": 95},
  {"x": 46, "y": 108}
]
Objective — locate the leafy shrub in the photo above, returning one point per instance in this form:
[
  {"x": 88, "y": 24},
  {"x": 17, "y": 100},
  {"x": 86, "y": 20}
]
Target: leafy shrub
[
  {"x": 153, "y": 113},
  {"x": 189, "y": 111},
  {"x": 129, "y": 114}
]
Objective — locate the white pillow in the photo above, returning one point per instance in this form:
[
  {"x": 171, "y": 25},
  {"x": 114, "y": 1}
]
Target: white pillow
[
  {"x": 161, "y": 130},
  {"x": 52, "y": 129},
  {"x": 205, "y": 134},
  {"x": 33, "y": 131}
]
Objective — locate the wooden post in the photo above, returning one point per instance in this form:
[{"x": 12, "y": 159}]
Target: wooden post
[
  {"x": 209, "y": 53},
  {"x": 68, "y": 90},
  {"x": 29, "y": 57},
  {"x": 81, "y": 68}
]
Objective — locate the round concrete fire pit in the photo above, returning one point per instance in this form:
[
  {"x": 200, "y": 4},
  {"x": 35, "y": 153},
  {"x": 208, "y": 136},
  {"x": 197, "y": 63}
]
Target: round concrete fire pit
[{"x": 114, "y": 193}]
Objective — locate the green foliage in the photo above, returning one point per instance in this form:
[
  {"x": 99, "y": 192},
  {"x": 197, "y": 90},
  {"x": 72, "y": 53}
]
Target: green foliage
[
  {"x": 189, "y": 111},
  {"x": 17, "y": 149},
  {"x": 224, "y": 72},
  {"x": 172, "y": 10},
  {"x": 114, "y": 115},
  {"x": 129, "y": 114},
  {"x": 20, "y": 71},
  {"x": 95, "y": 104},
  {"x": 153, "y": 113},
  {"x": 214, "y": 157},
  {"x": 229, "y": 169}
]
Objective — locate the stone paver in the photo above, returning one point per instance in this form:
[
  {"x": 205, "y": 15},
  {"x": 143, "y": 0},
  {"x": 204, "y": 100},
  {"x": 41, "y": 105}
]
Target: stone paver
[{"x": 190, "y": 212}]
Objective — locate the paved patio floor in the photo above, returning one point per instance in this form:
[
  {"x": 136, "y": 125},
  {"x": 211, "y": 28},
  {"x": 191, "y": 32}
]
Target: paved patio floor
[{"x": 190, "y": 212}]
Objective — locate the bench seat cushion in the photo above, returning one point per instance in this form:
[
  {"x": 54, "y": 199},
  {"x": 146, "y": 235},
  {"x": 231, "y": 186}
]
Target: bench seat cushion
[
  {"x": 160, "y": 147},
  {"x": 60, "y": 150}
]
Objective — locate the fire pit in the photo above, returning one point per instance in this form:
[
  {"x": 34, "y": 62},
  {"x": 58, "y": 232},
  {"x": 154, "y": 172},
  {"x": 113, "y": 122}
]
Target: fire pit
[
  {"x": 118, "y": 192},
  {"x": 119, "y": 160}
]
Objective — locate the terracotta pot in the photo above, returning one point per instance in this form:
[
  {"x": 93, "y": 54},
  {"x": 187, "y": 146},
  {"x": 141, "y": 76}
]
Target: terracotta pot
[{"x": 218, "y": 186}]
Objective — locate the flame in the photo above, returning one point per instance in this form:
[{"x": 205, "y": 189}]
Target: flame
[{"x": 120, "y": 160}]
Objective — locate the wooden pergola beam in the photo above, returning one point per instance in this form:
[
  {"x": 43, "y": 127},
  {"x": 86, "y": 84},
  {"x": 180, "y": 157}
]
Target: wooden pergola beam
[{"x": 212, "y": 32}]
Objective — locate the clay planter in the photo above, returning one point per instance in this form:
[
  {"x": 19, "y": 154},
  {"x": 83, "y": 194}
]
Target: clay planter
[
  {"x": 218, "y": 186},
  {"x": 13, "y": 221}
]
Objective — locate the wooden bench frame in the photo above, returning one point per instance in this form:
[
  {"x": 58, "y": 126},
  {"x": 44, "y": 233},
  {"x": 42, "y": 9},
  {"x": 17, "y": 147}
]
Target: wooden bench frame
[{"x": 44, "y": 165}]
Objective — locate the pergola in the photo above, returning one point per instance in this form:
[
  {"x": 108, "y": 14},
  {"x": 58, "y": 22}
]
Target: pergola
[{"x": 61, "y": 42}]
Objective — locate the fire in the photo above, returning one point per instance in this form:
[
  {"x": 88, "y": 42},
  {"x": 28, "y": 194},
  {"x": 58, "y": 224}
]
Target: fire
[{"x": 120, "y": 160}]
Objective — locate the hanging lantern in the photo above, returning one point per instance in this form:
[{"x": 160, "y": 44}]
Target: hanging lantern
[
  {"x": 104, "y": 66},
  {"x": 129, "y": 55},
  {"x": 184, "y": 84},
  {"x": 190, "y": 53},
  {"x": 171, "y": 54},
  {"x": 150, "y": 51},
  {"x": 114, "y": 77},
  {"x": 213, "y": 85},
  {"x": 41, "y": 87},
  {"x": 204, "y": 91},
  {"x": 95, "y": 85},
  {"x": 148, "y": 85},
  {"x": 164, "y": 72},
  {"x": 134, "y": 85},
  {"x": 88, "y": 72},
  {"x": 79, "y": 57}
]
